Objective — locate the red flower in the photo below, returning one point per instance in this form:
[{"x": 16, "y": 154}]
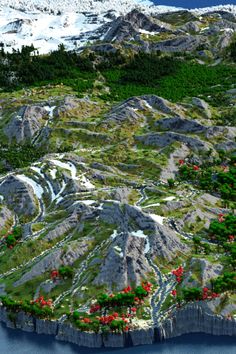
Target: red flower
[
  {"x": 127, "y": 290},
  {"x": 86, "y": 320},
  {"x": 196, "y": 168},
  {"x": 54, "y": 274},
  {"x": 94, "y": 308},
  {"x": 221, "y": 218},
  {"x": 133, "y": 309},
  {"x": 174, "y": 292},
  {"x": 181, "y": 162}
]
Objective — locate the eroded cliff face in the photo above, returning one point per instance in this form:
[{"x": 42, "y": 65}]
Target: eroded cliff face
[{"x": 193, "y": 318}]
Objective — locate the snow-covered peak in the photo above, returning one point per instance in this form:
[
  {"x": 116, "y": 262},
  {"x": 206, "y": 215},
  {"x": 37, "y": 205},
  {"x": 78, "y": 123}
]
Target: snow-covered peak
[
  {"x": 95, "y": 6},
  {"x": 47, "y": 23}
]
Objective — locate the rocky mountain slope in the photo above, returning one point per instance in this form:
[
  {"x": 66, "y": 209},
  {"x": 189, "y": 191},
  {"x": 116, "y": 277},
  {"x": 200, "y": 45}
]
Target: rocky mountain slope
[
  {"x": 75, "y": 23},
  {"x": 120, "y": 171}
]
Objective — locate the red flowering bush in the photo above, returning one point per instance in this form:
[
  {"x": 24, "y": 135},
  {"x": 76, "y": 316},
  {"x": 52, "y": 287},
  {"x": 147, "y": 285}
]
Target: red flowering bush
[
  {"x": 178, "y": 273},
  {"x": 42, "y": 302},
  {"x": 128, "y": 300}
]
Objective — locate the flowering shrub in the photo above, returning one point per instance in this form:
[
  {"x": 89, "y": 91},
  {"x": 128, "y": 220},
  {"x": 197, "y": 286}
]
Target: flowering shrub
[
  {"x": 178, "y": 273},
  {"x": 13, "y": 236},
  {"x": 125, "y": 302},
  {"x": 221, "y": 179},
  {"x": 42, "y": 302},
  {"x": 193, "y": 294},
  {"x": 40, "y": 308}
]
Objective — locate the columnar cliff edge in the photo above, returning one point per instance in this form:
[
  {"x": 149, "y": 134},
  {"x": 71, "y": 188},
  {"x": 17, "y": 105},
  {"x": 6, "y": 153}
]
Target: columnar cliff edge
[{"x": 191, "y": 319}]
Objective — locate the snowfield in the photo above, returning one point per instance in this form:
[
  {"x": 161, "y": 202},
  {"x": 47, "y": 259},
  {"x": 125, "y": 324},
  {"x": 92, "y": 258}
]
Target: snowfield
[{"x": 48, "y": 23}]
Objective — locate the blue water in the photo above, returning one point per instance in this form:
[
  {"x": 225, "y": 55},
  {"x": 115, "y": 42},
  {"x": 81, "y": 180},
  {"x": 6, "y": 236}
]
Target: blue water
[
  {"x": 18, "y": 342},
  {"x": 190, "y": 4}
]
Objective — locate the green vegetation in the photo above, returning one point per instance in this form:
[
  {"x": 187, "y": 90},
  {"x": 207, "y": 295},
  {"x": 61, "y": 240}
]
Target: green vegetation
[
  {"x": 113, "y": 312},
  {"x": 65, "y": 271},
  {"x": 221, "y": 179},
  {"x": 13, "y": 236},
  {"x": 226, "y": 282},
  {"x": 22, "y": 68},
  {"x": 188, "y": 78},
  {"x": 29, "y": 307},
  {"x": 18, "y": 156},
  {"x": 126, "y": 76}
]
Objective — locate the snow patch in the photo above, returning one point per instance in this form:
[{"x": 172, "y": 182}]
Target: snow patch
[
  {"x": 157, "y": 218},
  {"x": 169, "y": 198},
  {"x": 53, "y": 173},
  {"x": 151, "y": 205},
  {"x": 38, "y": 170},
  {"x": 114, "y": 234},
  {"x": 66, "y": 166},
  {"x": 138, "y": 233},
  {"x": 86, "y": 202},
  {"x": 50, "y": 110},
  {"x": 38, "y": 190}
]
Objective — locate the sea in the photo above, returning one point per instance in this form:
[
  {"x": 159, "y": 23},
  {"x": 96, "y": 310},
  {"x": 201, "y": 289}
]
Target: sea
[{"x": 19, "y": 342}]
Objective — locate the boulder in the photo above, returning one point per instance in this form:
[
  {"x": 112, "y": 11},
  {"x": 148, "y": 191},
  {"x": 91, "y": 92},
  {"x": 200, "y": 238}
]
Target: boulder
[
  {"x": 19, "y": 195},
  {"x": 26, "y": 123}
]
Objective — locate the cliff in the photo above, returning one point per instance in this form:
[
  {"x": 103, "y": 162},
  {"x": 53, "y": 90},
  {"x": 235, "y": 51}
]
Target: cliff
[{"x": 193, "y": 318}]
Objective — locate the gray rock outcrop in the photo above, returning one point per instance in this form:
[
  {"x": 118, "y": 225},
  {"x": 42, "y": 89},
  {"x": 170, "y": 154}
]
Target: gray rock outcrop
[
  {"x": 125, "y": 262},
  {"x": 197, "y": 318},
  {"x": 5, "y": 216},
  {"x": 55, "y": 259},
  {"x": 180, "y": 125},
  {"x": 19, "y": 196},
  {"x": 164, "y": 139},
  {"x": 63, "y": 227},
  {"x": 24, "y": 125},
  {"x": 132, "y": 109},
  {"x": 200, "y": 103},
  {"x": 163, "y": 241}
]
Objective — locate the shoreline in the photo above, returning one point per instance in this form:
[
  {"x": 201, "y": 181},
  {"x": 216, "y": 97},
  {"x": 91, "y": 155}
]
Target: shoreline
[{"x": 193, "y": 318}]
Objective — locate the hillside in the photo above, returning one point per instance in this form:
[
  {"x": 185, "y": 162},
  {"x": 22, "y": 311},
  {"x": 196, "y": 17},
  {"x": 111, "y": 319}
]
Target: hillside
[{"x": 118, "y": 171}]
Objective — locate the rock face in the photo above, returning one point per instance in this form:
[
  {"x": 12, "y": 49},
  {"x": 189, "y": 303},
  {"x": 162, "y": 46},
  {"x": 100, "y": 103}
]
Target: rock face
[
  {"x": 131, "y": 25},
  {"x": 26, "y": 123},
  {"x": 202, "y": 105},
  {"x": 179, "y": 43},
  {"x": 164, "y": 139},
  {"x": 55, "y": 259},
  {"x": 63, "y": 227},
  {"x": 172, "y": 167},
  {"x": 125, "y": 262},
  {"x": 163, "y": 241},
  {"x": 195, "y": 318},
  {"x": 131, "y": 110},
  {"x": 5, "y": 216},
  {"x": 206, "y": 271},
  {"x": 69, "y": 104},
  {"x": 19, "y": 196},
  {"x": 180, "y": 125}
]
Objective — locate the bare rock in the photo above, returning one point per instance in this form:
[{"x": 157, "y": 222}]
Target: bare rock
[
  {"x": 125, "y": 262},
  {"x": 202, "y": 105},
  {"x": 19, "y": 196},
  {"x": 24, "y": 125}
]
